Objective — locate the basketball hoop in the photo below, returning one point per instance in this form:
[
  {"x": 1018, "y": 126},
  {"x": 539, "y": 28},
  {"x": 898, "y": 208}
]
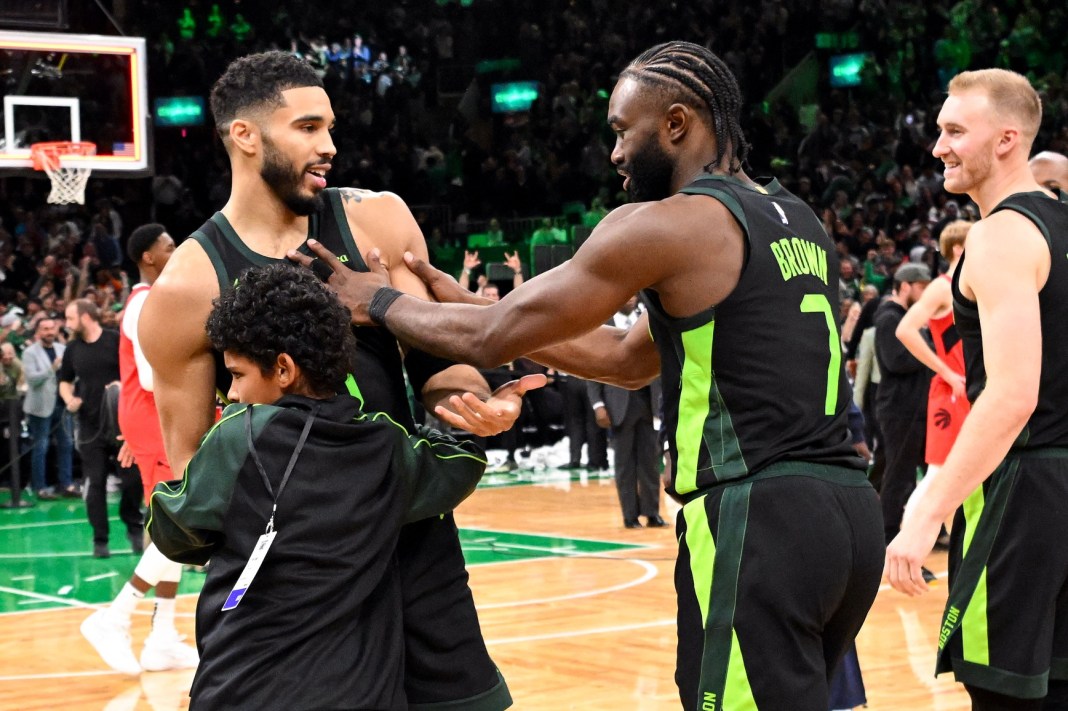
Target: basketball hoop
[{"x": 68, "y": 182}]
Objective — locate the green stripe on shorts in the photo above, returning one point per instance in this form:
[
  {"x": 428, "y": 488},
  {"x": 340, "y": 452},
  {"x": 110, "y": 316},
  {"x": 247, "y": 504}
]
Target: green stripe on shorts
[
  {"x": 966, "y": 609},
  {"x": 702, "y": 552},
  {"x": 973, "y": 627},
  {"x": 724, "y": 684}
]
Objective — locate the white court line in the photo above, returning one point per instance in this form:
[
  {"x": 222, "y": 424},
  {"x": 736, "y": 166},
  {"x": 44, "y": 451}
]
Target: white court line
[
  {"x": 39, "y": 556},
  {"x": 544, "y": 549},
  {"x": 579, "y": 633},
  {"x": 650, "y": 573},
  {"x": 39, "y": 524},
  {"x": 629, "y": 544},
  {"x": 102, "y": 576},
  {"x": 59, "y": 675},
  {"x": 43, "y": 524},
  {"x": 70, "y": 602}
]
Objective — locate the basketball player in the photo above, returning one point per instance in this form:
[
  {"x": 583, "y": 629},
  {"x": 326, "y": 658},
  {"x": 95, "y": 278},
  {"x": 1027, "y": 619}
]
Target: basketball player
[
  {"x": 275, "y": 119},
  {"x": 741, "y": 286},
  {"x": 947, "y": 401},
  {"x": 108, "y": 630},
  {"x": 1005, "y": 630},
  {"x": 1050, "y": 170}
]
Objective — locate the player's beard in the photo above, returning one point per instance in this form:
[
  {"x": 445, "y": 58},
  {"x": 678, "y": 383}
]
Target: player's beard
[
  {"x": 651, "y": 170},
  {"x": 285, "y": 182}
]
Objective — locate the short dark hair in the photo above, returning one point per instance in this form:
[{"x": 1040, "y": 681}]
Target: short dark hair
[
  {"x": 686, "y": 72},
  {"x": 282, "y": 308},
  {"x": 86, "y": 306},
  {"x": 257, "y": 81},
  {"x": 142, "y": 239}
]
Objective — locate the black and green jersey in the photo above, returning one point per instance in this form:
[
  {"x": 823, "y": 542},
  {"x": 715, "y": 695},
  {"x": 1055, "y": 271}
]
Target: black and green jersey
[
  {"x": 321, "y": 625},
  {"x": 378, "y": 363},
  {"x": 1047, "y": 426},
  {"x": 758, "y": 378}
]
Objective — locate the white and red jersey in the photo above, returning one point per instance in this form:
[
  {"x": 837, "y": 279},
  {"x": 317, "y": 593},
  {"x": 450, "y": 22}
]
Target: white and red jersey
[{"x": 138, "y": 419}]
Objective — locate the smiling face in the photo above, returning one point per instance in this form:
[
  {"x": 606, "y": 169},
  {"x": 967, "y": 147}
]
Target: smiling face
[
  {"x": 968, "y": 138},
  {"x": 47, "y": 330},
  {"x": 639, "y": 155},
  {"x": 297, "y": 149}
]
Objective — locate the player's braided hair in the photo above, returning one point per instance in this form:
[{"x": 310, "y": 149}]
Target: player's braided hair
[
  {"x": 282, "y": 308},
  {"x": 686, "y": 72}
]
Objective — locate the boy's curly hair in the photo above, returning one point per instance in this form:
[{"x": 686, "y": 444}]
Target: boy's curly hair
[{"x": 278, "y": 309}]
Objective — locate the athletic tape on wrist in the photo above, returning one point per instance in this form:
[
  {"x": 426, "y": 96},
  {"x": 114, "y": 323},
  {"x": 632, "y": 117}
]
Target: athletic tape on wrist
[{"x": 381, "y": 302}]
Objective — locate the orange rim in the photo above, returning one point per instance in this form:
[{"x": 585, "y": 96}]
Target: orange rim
[{"x": 48, "y": 154}]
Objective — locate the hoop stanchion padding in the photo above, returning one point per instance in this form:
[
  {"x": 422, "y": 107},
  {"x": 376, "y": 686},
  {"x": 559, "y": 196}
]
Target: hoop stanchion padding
[{"x": 68, "y": 182}]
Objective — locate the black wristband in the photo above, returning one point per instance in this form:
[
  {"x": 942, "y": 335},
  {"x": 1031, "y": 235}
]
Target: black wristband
[{"x": 381, "y": 302}]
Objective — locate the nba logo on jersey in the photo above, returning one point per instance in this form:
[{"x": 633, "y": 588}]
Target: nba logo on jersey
[{"x": 782, "y": 215}]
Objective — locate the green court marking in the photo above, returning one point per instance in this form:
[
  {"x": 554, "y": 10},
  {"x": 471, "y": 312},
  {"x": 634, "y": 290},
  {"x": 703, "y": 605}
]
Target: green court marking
[
  {"x": 481, "y": 547},
  {"x": 46, "y": 560}
]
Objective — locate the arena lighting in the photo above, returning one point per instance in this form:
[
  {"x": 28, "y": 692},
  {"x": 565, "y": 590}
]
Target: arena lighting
[
  {"x": 513, "y": 96},
  {"x": 845, "y": 69},
  {"x": 179, "y": 111}
]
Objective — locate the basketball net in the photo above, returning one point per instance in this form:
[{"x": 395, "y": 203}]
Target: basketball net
[{"x": 68, "y": 182}]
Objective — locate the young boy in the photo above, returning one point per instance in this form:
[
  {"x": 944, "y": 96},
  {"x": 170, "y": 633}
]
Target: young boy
[{"x": 313, "y": 490}]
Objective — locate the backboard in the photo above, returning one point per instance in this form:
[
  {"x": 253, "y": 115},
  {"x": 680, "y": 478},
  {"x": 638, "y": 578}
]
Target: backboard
[{"x": 71, "y": 87}]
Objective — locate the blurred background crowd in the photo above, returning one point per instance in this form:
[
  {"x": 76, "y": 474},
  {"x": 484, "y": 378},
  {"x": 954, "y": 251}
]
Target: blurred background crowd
[{"x": 488, "y": 119}]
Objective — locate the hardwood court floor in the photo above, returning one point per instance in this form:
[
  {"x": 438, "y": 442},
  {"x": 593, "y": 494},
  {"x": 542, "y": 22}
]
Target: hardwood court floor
[{"x": 577, "y": 611}]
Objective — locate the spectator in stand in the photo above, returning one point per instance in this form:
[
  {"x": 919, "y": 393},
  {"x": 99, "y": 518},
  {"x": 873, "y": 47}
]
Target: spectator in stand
[
  {"x": 13, "y": 330},
  {"x": 46, "y": 415},
  {"x": 361, "y": 54},
  {"x": 12, "y": 385},
  {"x": 596, "y": 213},
  {"x": 848, "y": 283},
  {"x": 494, "y": 234},
  {"x": 546, "y": 234},
  {"x": 471, "y": 263}
]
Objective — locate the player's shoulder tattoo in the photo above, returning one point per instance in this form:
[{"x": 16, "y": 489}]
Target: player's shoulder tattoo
[{"x": 351, "y": 195}]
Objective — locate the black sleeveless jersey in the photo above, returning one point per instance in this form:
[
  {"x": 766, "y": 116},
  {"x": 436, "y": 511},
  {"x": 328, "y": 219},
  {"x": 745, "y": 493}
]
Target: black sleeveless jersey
[
  {"x": 1048, "y": 424},
  {"x": 377, "y": 367},
  {"x": 758, "y": 378}
]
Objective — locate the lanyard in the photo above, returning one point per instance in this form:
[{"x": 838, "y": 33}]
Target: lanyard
[{"x": 289, "y": 467}]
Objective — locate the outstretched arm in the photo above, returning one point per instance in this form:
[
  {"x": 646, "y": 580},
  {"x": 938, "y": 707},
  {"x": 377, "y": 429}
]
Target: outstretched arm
[
  {"x": 627, "y": 358},
  {"x": 457, "y": 394},
  {"x": 561, "y": 304}
]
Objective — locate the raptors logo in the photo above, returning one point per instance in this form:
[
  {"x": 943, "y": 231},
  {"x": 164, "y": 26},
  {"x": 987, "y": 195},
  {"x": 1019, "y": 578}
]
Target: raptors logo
[{"x": 942, "y": 418}]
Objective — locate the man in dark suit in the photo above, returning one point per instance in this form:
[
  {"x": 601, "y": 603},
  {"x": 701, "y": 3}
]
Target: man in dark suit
[
  {"x": 629, "y": 415},
  {"x": 580, "y": 425}
]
